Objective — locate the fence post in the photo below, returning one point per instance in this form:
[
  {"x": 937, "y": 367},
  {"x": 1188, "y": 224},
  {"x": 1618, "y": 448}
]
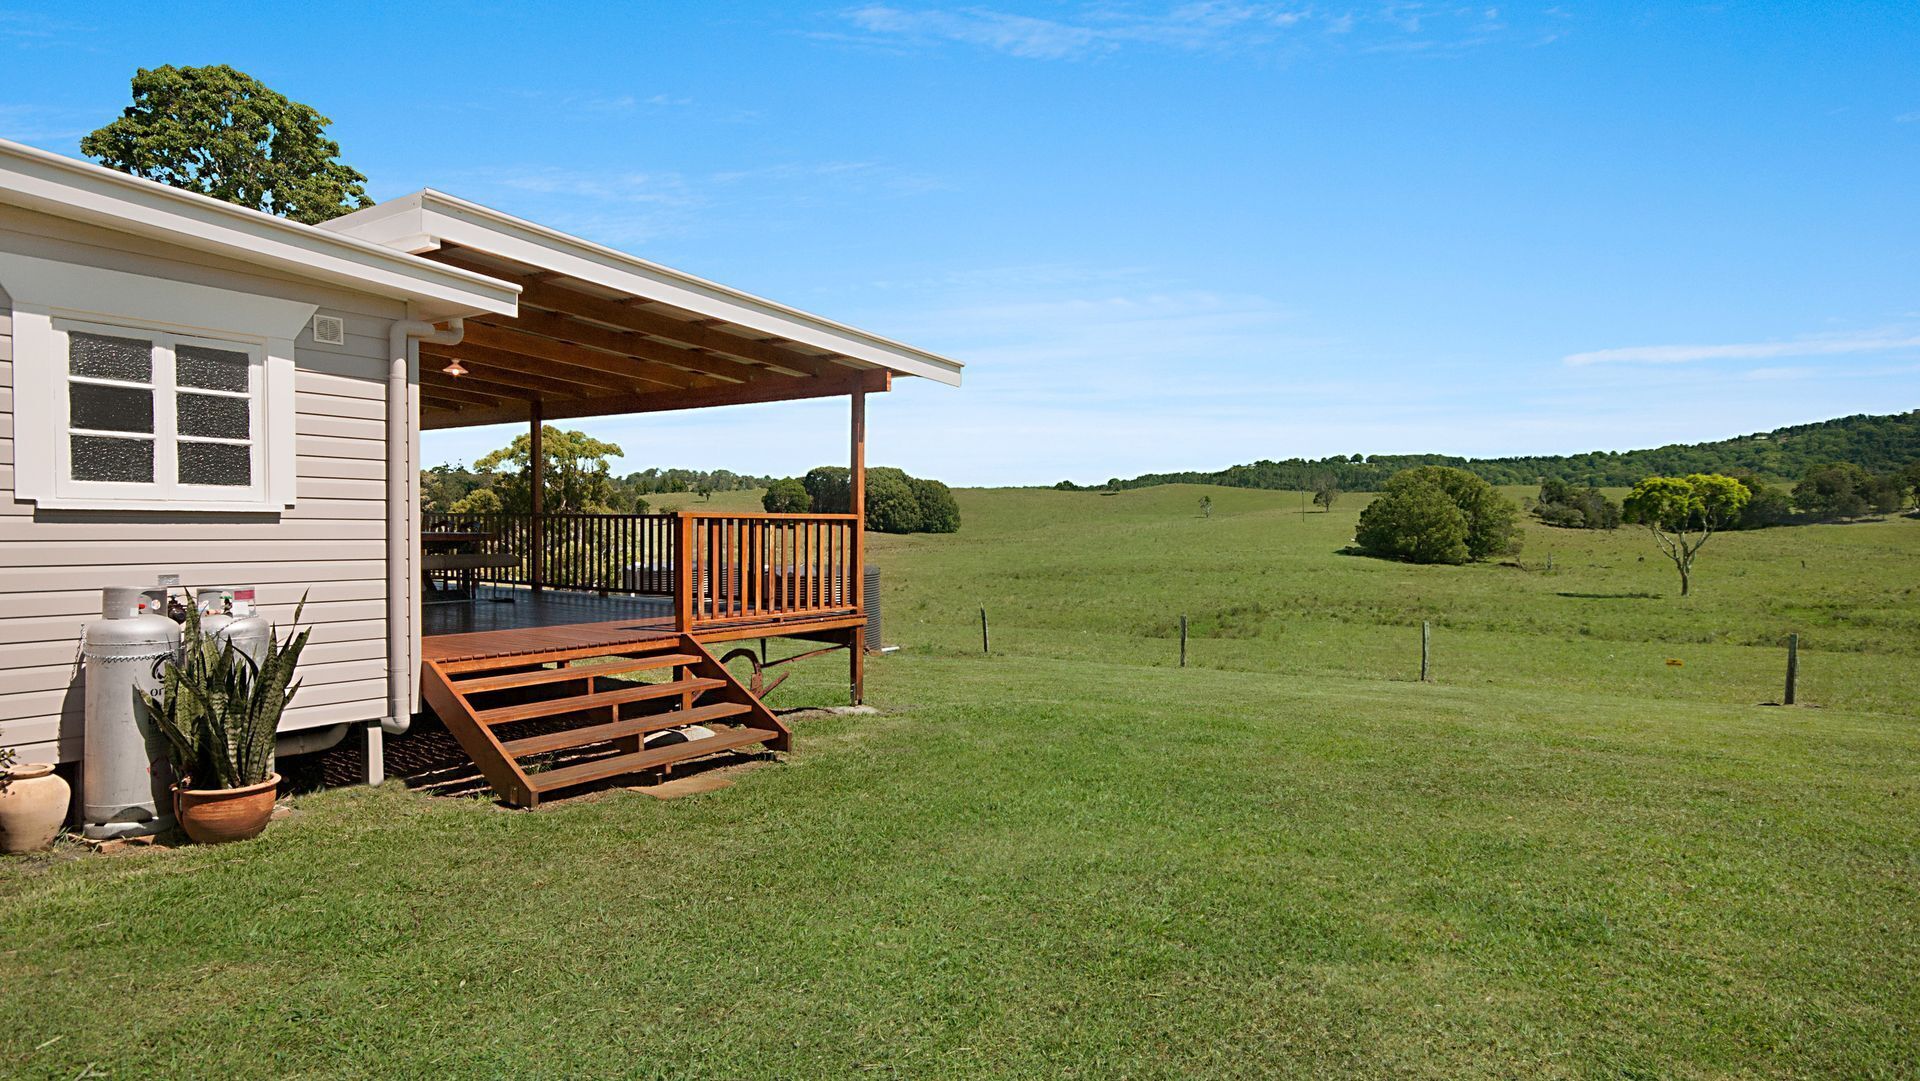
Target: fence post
[
  {"x": 1426, "y": 652},
  {"x": 684, "y": 577},
  {"x": 1793, "y": 664},
  {"x": 983, "y": 632},
  {"x": 1183, "y": 641}
]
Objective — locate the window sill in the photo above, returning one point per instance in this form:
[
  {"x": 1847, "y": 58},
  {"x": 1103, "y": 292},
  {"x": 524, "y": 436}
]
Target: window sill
[{"x": 192, "y": 506}]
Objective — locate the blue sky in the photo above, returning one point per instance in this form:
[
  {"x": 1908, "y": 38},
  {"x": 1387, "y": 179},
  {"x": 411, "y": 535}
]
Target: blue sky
[{"x": 1162, "y": 236}]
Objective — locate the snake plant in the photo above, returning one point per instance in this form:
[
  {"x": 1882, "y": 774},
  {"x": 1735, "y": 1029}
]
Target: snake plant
[{"x": 218, "y": 709}]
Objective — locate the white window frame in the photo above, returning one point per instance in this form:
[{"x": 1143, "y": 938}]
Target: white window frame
[
  {"x": 166, "y": 438},
  {"x": 51, "y": 297}
]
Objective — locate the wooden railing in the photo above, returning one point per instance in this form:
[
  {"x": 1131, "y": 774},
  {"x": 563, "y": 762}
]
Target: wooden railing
[
  {"x": 740, "y": 567},
  {"x": 719, "y": 568},
  {"x": 601, "y": 553}
]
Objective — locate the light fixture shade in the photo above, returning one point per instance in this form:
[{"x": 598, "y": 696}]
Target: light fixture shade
[{"x": 455, "y": 368}]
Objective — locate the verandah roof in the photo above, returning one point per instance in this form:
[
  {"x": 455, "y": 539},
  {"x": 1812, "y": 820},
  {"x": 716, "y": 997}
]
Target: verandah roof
[{"x": 602, "y": 333}]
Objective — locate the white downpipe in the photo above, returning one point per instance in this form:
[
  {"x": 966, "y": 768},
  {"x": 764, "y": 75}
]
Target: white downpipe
[{"x": 403, "y": 345}]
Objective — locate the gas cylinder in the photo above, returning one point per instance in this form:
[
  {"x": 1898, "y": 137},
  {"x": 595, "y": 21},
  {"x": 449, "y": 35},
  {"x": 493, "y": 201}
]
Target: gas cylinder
[{"x": 125, "y": 780}]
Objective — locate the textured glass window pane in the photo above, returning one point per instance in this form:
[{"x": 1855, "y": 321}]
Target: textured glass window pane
[
  {"x": 109, "y": 409},
  {"x": 216, "y": 463},
  {"x": 211, "y": 369},
  {"x": 108, "y": 357},
  {"x": 205, "y": 414},
  {"x": 99, "y": 457}
]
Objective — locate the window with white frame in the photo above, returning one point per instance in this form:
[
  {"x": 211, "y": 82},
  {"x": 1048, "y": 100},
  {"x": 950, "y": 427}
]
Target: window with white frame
[
  {"x": 160, "y": 415},
  {"x": 147, "y": 393}
]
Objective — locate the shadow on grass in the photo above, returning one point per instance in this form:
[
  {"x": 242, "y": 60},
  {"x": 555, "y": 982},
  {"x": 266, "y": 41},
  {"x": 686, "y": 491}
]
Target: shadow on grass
[{"x": 1635, "y": 596}]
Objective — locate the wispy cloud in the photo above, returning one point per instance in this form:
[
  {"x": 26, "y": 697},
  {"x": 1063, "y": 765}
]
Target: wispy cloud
[
  {"x": 636, "y": 207},
  {"x": 1817, "y": 346},
  {"x": 1210, "y": 25}
]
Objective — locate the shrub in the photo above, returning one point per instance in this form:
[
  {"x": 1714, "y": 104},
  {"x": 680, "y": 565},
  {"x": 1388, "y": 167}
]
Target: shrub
[
  {"x": 891, "y": 506},
  {"x": 1493, "y": 521},
  {"x": 1768, "y": 506},
  {"x": 787, "y": 496},
  {"x": 1416, "y": 521},
  {"x": 1840, "y": 490},
  {"x": 829, "y": 489},
  {"x": 939, "y": 513},
  {"x": 896, "y": 502}
]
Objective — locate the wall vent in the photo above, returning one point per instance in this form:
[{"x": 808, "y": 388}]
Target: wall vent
[{"x": 329, "y": 330}]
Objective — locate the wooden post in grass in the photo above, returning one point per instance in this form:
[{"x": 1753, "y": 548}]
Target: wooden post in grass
[
  {"x": 983, "y": 632},
  {"x": 1426, "y": 652},
  {"x": 1183, "y": 641},
  {"x": 1793, "y": 664}
]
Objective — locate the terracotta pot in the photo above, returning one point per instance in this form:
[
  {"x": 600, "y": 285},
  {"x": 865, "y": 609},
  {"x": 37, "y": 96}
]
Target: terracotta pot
[
  {"x": 33, "y": 805},
  {"x": 214, "y": 816}
]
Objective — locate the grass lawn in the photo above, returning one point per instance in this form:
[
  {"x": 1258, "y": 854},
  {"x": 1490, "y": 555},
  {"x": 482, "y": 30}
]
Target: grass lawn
[{"x": 1073, "y": 859}]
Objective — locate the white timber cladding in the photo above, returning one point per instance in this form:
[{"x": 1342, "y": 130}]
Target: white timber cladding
[{"x": 327, "y": 543}]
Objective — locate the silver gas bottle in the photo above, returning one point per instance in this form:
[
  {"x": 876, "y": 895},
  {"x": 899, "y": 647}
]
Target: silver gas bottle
[
  {"x": 125, "y": 780},
  {"x": 228, "y": 614}
]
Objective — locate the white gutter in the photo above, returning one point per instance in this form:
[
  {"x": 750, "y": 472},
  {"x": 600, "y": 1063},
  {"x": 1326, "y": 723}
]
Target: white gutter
[
  {"x": 403, "y": 352},
  {"x": 82, "y": 191}
]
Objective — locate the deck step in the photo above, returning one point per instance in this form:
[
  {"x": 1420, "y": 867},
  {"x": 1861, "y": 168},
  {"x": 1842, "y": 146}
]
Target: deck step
[
  {"x": 636, "y": 648},
  {"x": 632, "y": 726},
  {"x": 621, "y": 764},
  {"x": 479, "y": 684},
  {"x": 553, "y": 707},
  {"x": 447, "y": 684}
]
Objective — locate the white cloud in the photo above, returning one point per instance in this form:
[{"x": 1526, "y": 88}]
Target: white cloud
[
  {"x": 1212, "y": 25},
  {"x": 1825, "y": 345}
]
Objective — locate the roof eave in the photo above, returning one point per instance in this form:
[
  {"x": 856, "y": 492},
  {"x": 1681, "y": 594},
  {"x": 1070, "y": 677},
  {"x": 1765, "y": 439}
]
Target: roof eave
[
  {"x": 428, "y": 218},
  {"x": 81, "y": 191}
]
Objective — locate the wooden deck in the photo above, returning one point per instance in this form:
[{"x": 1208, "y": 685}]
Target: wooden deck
[{"x": 502, "y": 622}]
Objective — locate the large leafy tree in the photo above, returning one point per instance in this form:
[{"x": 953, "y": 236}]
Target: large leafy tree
[
  {"x": 1407, "y": 522},
  {"x": 223, "y": 133},
  {"x": 1415, "y": 522},
  {"x": 1683, "y": 514},
  {"x": 577, "y": 476}
]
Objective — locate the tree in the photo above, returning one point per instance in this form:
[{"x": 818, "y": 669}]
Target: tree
[
  {"x": 1417, "y": 522},
  {"x": 1768, "y": 506},
  {"x": 1206, "y": 506},
  {"x": 830, "y": 488},
  {"x": 1839, "y": 490},
  {"x": 704, "y": 489},
  {"x": 1911, "y": 476},
  {"x": 222, "y": 133},
  {"x": 939, "y": 513},
  {"x": 1562, "y": 504},
  {"x": 577, "y": 476},
  {"x": 1683, "y": 513},
  {"x": 1493, "y": 521},
  {"x": 787, "y": 496},
  {"x": 891, "y": 507},
  {"x": 1325, "y": 492}
]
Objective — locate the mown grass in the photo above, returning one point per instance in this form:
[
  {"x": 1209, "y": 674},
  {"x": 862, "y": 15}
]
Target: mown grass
[{"x": 1072, "y": 859}]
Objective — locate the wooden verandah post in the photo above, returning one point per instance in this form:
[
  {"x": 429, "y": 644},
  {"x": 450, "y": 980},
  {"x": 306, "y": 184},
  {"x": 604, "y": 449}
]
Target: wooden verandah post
[
  {"x": 537, "y": 481},
  {"x": 857, "y": 503}
]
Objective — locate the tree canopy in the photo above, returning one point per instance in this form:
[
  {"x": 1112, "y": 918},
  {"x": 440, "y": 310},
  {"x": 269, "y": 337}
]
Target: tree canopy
[
  {"x": 577, "y": 477},
  {"x": 1683, "y": 513},
  {"x": 1434, "y": 514},
  {"x": 1879, "y": 444},
  {"x": 221, "y": 132}
]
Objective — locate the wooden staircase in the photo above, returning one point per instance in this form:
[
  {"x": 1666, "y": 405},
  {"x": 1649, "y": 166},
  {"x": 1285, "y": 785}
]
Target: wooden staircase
[{"x": 594, "y": 705}]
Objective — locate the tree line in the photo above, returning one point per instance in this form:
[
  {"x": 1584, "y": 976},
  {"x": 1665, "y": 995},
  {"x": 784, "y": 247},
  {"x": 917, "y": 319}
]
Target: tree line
[
  {"x": 579, "y": 479},
  {"x": 1878, "y": 444}
]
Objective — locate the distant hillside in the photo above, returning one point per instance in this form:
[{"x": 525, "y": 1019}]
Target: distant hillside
[{"x": 1876, "y": 443}]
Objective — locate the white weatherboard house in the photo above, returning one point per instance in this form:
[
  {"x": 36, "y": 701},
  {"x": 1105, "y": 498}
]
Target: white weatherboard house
[{"x": 201, "y": 390}]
